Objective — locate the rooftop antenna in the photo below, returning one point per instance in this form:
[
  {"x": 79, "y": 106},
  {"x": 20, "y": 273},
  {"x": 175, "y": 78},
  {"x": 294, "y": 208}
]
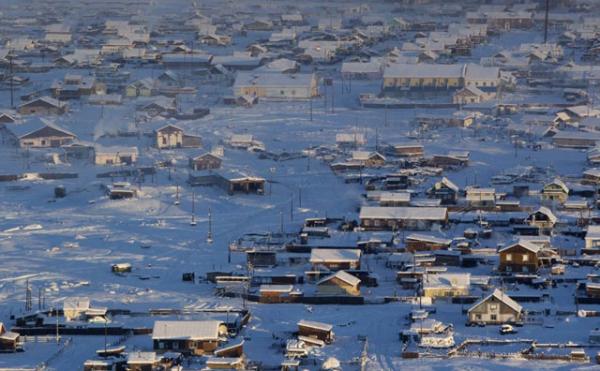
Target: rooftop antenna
[
  {"x": 193, "y": 221},
  {"x": 209, "y": 238}
]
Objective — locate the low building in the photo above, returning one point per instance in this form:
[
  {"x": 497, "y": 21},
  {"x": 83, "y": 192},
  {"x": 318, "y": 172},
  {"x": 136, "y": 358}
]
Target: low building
[
  {"x": 339, "y": 283},
  {"x": 542, "y": 218},
  {"x": 316, "y": 330},
  {"x": 519, "y": 257},
  {"x": 481, "y": 197},
  {"x": 9, "y": 341},
  {"x": 446, "y": 285},
  {"x": 276, "y": 85},
  {"x": 556, "y": 190},
  {"x": 39, "y": 133},
  {"x": 444, "y": 190},
  {"x": 335, "y": 259},
  {"x": 74, "y": 308},
  {"x": 495, "y": 309},
  {"x": 171, "y": 136},
  {"x": 395, "y": 218},
  {"x": 423, "y": 242},
  {"x": 592, "y": 238},
  {"x": 115, "y": 155},
  {"x": 189, "y": 337},
  {"x": 205, "y": 161},
  {"x": 42, "y": 106}
]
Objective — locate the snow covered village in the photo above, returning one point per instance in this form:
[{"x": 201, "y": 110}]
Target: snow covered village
[{"x": 266, "y": 185}]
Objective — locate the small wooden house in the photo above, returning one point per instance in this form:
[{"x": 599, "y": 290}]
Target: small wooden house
[
  {"x": 446, "y": 285},
  {"x": 339, "y": 283},
  {"x": 393, "y": 218},
  {"x": 368, "y": 159},
  {"x": 522, "y": 257},
  {"x": 205, "y": 161},
  {"x": 189, "y": 337},
  {"x": 317, "y": 330},
  {"x": 556, "y": 190},
  {"x": 143, "y": 361},
  {"x": 115, "y": 155},
  {"x": 259, "y": 258},
  {"x": 423, "y": 242},
  {"x": 481, "y": 197},
  {"x": 496, "y": 308},
  {"x": 542, "y": 218},
  {"x": 274, "y": 293},
  {"x": 39, "y": 133},
  {"x": 335, "y": 259},
  {"x": 171, "y": 136},
  {"x": 445, "y": 190},
  {"x": 9, "y": 341},
  {"x": 43, "y": 106}
]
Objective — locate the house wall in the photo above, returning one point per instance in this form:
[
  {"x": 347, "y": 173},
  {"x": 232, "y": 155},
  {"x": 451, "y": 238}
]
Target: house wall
[
  {"x": 493, "y": 311},
  {"x": 170, "y": 140},
  {"x": 336, "y": 287},
  {"x": 518, "y": 262},
  {"x": 45, "y": 142},
  {"x": 40, "y": 110}
]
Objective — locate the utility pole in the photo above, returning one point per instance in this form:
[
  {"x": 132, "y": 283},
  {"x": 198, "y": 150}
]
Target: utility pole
[
  {"x": 311, "y": 109},
  {"x": 12, "y": 99},
  {"x": 364, "y": 356},
  {"x": 28, "y": 305},
  {"x": 193, "y": 221},
  {"x": 546, "y": 22},
  {"x": 209, "y": 238}
]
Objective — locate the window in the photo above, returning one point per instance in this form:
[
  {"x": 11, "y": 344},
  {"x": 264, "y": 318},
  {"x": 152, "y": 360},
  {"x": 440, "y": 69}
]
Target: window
[
  {"x": 508, "y": 257},
  {"x": 493, "y": 307},
  {"x": 478, "y": 316},
  {"x": 164, "y": 140},
  {"x": 281, "y": 92},
  {"x": 493, "y": 317},
  {"x": 525, "y": 258},
  {"x": 43, "y": 142}
]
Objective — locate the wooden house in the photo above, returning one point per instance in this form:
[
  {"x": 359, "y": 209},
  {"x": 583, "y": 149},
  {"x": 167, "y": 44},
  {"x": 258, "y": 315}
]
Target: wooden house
[
  {"x": 260, "y": 258},
  {"x": 171, "y": 136},
  {"x": 141, "y": 88},
  {"x": 143, "y": 361},
  {"x": 9, "y": 341},
  {"x": 395, "y": 218},
  {"x": 495, "y": 309},
  {"x": 335, "y": 259},
  {"x": 276, "y": 85},
  {"x": 408, "y": 150},
  {"x": 42, "y": 106},
  {"x": 469, "y": 95},
  {"x": 189, "y": 337},
  {"x": 38, "y": 133},
  {"x": 394, "y": 199},
  {"x": 542, "y": 218},
  {"x": 444, "y": 190},
  {"x": 556, "y": 190},
  {"x": 339, "y": 283},
  {"x": 421, "y": 242},
  {"x": 316, "y": 330},
  {"x": 519, "y": 257},
  {"x": 446, "y": 285},
  {"x": 368, "y": 159},
  {"x": 592, "y": 238},
  {"x": 274, "y": 293},
  {"x": 205, "y": 161},
  {"x": 226, "y": 363},
  {"x": 481, "y": 197},
  {"x": 115, "y": 155}
]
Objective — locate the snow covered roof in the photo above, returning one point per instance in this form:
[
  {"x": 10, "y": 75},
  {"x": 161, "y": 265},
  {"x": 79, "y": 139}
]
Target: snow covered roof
[
  {"x": 316, "y": 325},
  {"x": 343, "y": 276},
  {"x": 276, "y": 288},
  {"x": 142, "y": 358},
  {"x": 454, "y": 280},
  {"x": 273, "y": 80},
  {"x": 502, "y": 297},
  {"x": 400, "y": 213},
  {"x": 528, "y": 245},
  {"x": 186, "y": 330},
  {"x": 544, "y": 210},
  {"x": 424, "y": 71},
  {"x": 334, "y": 255},
  {"x": 428, "y": 238}
]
